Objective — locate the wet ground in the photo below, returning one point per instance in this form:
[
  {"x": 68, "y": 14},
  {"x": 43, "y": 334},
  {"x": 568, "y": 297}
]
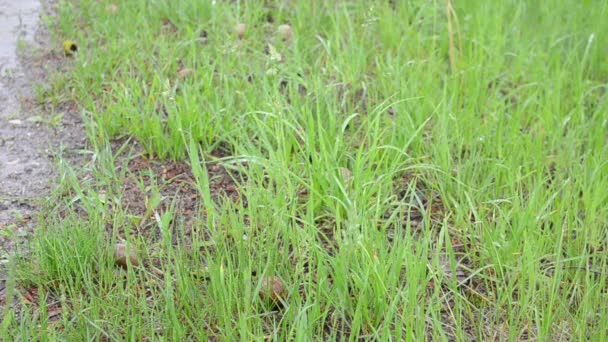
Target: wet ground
[
  {"x": 19, "y": 147},
  {"x": 30, "y": 141}
]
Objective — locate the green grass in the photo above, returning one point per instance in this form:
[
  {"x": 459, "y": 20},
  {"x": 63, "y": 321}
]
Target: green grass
[{"x": 399, "y": 167}]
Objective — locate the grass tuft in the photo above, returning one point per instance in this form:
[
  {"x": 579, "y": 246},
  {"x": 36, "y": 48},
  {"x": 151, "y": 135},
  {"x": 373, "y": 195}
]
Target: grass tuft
[{"x": 408, "y": 170}]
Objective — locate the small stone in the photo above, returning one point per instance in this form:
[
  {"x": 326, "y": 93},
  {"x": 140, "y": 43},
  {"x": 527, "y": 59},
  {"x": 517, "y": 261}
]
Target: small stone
[
  {"x": 240, "y": 30},
  {"x": 285, "y": 32},
  {"x": 273, "y": 290},
  {"x": 120, "y": 256}
]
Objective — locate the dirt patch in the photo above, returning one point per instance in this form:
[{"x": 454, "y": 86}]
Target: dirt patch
[
  {"x": 175, "y": 187},
  {"x": 31, "y": 138}
]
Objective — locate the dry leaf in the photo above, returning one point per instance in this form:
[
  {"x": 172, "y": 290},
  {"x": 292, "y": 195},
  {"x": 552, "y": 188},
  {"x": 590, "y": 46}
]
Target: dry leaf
[
  {"x": 273, "y": 290},
  {"x": 120, "y": 256},
  {"x": 185, "y": 72},
  {"x": 112, "y": 8},
  {"x": 285, "y": 32},
  {"x": 52, "y": 312},
  {"x": 240, "y": 30}
]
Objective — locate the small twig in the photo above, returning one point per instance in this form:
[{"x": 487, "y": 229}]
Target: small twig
[{"x": 577, "y": 268}]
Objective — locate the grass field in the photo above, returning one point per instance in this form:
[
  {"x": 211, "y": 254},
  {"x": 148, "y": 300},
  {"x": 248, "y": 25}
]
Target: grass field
[{"x": 406, "y": 170}]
